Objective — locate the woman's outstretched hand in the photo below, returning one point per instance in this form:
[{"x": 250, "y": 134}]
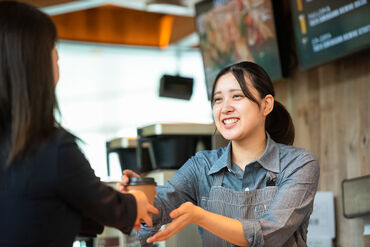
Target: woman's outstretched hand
[{"x": 186, "y": 214}]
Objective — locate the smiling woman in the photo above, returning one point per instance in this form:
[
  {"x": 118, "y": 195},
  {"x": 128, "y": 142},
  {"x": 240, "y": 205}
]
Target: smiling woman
[
  {"x": 253, "y": 83},
  {"x": 257, "y": 191},
  {"x": 237, "y": 117}
]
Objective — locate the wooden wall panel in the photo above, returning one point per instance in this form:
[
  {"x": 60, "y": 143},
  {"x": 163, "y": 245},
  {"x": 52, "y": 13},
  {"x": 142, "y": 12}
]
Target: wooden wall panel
[{"x": 330, "y": 106}]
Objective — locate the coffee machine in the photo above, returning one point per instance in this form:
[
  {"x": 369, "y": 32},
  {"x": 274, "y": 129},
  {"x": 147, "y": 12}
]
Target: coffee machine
[
  {"x": 170, "y": 145},
  {"x": 162, "y": 146},
  {"x": 125, "y": 148}
]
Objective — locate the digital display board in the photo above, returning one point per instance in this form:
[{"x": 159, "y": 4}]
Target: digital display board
[
  {"x": 326, "y": 29},
  {"x": 232, "y": 31}
]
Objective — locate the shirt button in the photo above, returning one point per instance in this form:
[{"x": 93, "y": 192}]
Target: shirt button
[{"x": 246, "y": 189}]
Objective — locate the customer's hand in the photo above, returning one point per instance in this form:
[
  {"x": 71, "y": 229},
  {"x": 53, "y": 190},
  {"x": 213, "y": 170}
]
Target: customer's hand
[
  {"x": 127, "y": 174},
  {"x": 144, "y": 209}
]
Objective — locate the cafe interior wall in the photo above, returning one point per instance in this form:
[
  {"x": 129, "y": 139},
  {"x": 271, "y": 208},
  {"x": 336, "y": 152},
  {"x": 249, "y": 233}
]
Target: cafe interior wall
[
  {"x": 330, "y": 107},
  {"x": 107, "y": 91}
]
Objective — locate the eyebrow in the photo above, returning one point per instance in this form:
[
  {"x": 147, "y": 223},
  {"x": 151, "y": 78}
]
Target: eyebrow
[{"x": 231, "y": 90}]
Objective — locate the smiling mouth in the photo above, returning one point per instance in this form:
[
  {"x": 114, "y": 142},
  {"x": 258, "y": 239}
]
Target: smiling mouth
[{"x": 230, "y": 121}]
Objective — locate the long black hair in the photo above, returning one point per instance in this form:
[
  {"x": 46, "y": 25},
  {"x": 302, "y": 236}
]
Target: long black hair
[
  {"x": 27, "y": 87},
  {"x": 279, "y": 123}
]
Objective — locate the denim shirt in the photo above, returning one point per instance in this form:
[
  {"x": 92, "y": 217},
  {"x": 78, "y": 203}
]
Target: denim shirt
[{"x": 294, "y": 171}]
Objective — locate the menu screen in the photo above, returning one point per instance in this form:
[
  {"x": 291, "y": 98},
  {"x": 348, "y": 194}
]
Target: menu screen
[
  {"x": 232, "y": 31},
  {"x": 328, "y": 29}
]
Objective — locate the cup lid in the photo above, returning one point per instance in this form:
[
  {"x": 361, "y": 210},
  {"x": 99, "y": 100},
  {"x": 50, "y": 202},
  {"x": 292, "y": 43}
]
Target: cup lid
[{"x": 142, "y": 181}]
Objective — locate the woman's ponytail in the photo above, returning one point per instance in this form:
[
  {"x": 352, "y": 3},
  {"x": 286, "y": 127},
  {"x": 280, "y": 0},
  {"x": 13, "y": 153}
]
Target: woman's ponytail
[{"x": 279, "y": 125}]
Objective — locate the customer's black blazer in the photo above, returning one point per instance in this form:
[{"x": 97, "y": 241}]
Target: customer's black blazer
[{"x": 43, "y": 197}]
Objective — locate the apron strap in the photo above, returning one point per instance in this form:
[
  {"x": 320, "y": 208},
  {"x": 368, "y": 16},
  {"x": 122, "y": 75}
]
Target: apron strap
[{"x": 218, "y": 178}]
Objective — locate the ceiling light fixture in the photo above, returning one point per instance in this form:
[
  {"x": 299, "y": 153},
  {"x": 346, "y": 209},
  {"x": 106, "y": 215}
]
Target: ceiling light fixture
[
  {"x": 175, "y": 7},
  {"x": 166, "y": 2}
]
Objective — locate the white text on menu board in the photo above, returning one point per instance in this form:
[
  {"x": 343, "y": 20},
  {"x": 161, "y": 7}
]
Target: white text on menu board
[
  {"x": 326, "y": 40},
  {"x": 325, "y": 13}
]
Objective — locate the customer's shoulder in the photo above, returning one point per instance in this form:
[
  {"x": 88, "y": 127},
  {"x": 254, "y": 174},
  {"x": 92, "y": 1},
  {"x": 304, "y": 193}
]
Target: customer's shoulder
[{"x": 64, "y": 137}]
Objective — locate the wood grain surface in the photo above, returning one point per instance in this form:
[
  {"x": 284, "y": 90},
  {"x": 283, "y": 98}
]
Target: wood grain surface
[{"x": 330, "y": 107}]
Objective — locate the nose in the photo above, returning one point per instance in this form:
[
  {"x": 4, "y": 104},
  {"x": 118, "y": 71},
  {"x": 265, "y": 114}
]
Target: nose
[{"x": 227, "y": 106}]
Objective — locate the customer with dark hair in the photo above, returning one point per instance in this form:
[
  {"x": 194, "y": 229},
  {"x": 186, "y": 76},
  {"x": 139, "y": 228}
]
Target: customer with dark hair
[
  {"x": 46, "y": 185},
  {"x": 257, "y": 191}
]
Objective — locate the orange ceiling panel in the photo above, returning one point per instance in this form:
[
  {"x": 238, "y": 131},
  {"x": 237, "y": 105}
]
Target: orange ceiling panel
[
  {"x": 182, "y": 27},
  {"x": 116, "y": 25},
  {"x": 165, "y": 30}
]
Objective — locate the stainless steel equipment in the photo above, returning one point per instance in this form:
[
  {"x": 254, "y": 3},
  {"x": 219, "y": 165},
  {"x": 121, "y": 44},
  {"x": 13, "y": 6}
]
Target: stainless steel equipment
[
  {"x": 172, "y": 144},
  {"x": 126, "y": 149}
]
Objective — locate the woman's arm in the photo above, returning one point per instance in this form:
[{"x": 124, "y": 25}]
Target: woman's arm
[
  {"x": 227, "y": 228},
  {"x": 291, "y": 206},
  {"x": 78, "y": 186}
]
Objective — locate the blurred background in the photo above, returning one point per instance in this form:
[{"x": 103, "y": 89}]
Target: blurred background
[{"x": 114, "y": 54}]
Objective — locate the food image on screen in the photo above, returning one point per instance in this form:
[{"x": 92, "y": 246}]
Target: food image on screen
[{"x": 234, "y": 31}]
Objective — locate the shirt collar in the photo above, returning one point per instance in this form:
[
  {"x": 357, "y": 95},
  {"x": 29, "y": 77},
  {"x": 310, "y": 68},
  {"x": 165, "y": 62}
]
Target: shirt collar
[
  {"x": 223, "y": 161},
  {"x": 270, "y": 159}
]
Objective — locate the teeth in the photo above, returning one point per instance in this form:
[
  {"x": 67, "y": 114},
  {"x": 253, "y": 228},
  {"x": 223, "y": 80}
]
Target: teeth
[{"x": 230, "y": 121}]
